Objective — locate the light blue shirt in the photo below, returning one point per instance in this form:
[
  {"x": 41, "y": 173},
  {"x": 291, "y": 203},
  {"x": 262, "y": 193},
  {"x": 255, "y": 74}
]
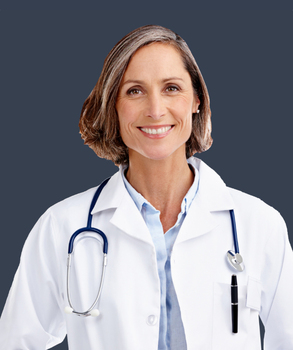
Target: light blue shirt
[{"x": 172, "y": 334}]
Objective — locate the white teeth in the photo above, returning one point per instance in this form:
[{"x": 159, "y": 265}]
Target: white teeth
[{"x": 156, "y": 131}]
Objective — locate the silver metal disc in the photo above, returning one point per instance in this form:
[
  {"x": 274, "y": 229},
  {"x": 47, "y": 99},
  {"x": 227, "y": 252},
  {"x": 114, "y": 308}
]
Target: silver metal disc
[{"x": 235, "y": 260}]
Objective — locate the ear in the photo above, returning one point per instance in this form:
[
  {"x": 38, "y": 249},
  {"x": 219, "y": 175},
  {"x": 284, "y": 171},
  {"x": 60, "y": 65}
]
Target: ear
[{"x": 196, "y": 103}]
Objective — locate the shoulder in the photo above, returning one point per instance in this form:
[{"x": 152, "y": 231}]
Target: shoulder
[
  {"x": 75, "y": 201},
  {"x": 215, "y": 190},
  {"x": 77, "y": 207},
  {"x": 250, "y": 202},
  {"x": 69, "y": 212},
  {"x": 255, "y": 211}
]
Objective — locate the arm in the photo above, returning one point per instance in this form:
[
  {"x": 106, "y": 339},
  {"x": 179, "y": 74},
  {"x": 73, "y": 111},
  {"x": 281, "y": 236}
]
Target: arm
[
  {"x": 32, "y": 318},
  {"x": 277, "y": 297}
]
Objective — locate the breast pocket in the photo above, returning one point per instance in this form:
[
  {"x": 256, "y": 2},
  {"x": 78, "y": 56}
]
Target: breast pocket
[{"x": 249, "y": 302}]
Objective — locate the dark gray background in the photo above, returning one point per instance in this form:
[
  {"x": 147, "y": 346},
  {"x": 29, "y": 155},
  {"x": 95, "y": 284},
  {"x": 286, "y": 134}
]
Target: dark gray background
[{"x": 51, "y": 60}]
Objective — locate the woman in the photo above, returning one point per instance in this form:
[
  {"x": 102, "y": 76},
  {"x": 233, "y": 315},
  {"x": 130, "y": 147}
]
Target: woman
[{"x": 166, "y": 218}]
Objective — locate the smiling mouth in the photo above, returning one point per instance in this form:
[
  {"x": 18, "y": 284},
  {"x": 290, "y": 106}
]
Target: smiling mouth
[{"x": 156, "y": 131}]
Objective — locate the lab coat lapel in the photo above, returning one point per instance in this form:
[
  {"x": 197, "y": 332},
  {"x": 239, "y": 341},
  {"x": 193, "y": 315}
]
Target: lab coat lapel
[
  {"x": 126, "y": 216},
  {"x": 198, "y": 221},
  {"x": 128, "y": 219},
  {"x": 212, "y": 195}
]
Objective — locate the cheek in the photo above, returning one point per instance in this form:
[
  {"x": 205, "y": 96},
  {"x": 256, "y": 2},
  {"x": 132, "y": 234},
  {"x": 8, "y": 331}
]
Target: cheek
[
  {"x": 125, "y": 122},
  {"x": 183, "y": 110},
  {"x": 122, "y": 115},
  {"x": 184, "y": 113},
  {"x": 125, "y": 113},
  {"x": 183, "y": 105},
  {"x": 188, "y": 128},
  {"x": 122, "y": 127}
]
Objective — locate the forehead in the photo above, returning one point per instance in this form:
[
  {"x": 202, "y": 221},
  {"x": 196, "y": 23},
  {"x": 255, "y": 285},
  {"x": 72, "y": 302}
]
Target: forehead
[{"x": 158, "y": 59}]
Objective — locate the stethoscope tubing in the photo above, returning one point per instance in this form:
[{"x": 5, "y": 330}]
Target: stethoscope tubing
[
  {"x": 87, "y": 312},
  {"x": 88, "y": 228},
  {"x": 234, "y": 258},
  {"x": 234, "y": 230}
]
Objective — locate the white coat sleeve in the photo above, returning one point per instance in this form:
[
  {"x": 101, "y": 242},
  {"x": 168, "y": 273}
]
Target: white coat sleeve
[
  {"x": 32, "y": 318},
  {"x": 277, "y": 296}
]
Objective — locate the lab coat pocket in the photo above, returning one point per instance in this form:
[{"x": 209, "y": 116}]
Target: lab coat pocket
[
  {"x": 253, "y": 299},
  {"x": 249, "y": 301}
]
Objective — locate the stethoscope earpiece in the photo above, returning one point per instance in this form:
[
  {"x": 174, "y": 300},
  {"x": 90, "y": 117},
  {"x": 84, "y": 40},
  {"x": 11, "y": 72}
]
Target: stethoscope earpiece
[
  {"x": 91, "y": 311},
  {"x": 234, "y": 258},
  {"x": 95, "y": 313},
  {"x": 68, "y": 310}
]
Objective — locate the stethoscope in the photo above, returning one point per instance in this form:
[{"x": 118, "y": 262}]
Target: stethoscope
[
  {"x": 234, "y": 257},
  {"x": 91, "y": 311}
]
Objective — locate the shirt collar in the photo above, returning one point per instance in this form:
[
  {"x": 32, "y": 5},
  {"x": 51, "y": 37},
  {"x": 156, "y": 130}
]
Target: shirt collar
[
  {"x": 212, "y": 191},
  {"x": 139, "y": 200}
]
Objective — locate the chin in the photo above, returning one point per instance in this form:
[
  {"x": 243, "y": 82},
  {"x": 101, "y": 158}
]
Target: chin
[{"x": 157, "y": 153}]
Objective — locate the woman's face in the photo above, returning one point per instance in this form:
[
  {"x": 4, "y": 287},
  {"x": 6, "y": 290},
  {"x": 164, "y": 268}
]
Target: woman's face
[{"x": 155, "y": 103}]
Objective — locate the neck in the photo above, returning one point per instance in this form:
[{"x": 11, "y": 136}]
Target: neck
[{"x": 163, "y": 183}]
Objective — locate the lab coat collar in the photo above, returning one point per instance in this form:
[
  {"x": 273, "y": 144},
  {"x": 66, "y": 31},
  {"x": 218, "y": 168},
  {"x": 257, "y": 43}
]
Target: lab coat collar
[
  {"x": 112, "y": 194},
  {"x": 126, "y": 216},
  {"x": 212, "y": 195},
  {"x": 212, "y": 189}
]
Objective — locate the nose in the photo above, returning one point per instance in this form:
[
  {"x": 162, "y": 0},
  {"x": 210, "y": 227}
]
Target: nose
[{"x": 155, "y": 106}]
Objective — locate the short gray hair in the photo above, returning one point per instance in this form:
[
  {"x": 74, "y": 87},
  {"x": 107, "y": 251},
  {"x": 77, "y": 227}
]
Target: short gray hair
[{"x": 99, "y": 124}]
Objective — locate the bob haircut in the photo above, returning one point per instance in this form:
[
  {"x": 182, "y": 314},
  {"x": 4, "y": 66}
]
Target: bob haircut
[{"x": 99, "y": 124}]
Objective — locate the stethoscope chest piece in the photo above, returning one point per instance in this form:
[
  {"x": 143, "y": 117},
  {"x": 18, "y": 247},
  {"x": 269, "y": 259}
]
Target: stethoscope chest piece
[{"x": 235, "y": 260}]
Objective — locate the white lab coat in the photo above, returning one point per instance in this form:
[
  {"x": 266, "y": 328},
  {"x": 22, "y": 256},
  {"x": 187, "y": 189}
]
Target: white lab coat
[{"x": 33, "y": 318}]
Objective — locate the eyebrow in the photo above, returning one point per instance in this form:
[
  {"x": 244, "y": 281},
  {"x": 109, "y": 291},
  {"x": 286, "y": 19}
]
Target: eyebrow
[{"x": 132, "y": 81}]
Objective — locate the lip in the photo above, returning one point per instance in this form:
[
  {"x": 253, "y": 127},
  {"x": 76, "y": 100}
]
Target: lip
[{"x": 156, "y": 127}]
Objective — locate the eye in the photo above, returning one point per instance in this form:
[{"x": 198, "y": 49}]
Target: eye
[
  {"x": 172, "y": 88},
  {"x": 134, "y": 91}
]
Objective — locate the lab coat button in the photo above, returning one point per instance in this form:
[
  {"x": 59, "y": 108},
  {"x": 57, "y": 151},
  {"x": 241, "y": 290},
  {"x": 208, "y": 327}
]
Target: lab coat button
[{"x": 152, "y": 320}]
